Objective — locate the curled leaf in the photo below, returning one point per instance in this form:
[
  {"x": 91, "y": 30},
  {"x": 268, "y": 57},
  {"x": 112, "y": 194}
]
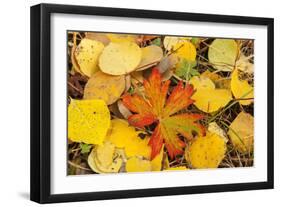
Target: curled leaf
[
  {"x": 88, "y": 121},
  {"x": 151, "y": 55},
  {"x": 106, "y": 87},
  {"x": 105, "y": 159}
]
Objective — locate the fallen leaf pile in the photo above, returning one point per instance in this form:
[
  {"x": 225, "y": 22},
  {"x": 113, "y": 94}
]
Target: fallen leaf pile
[{"x": 142, "y": 103}]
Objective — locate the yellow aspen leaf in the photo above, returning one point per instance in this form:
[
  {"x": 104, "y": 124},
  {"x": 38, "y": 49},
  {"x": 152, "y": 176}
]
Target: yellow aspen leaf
[
  {"x": 206, "y": 152},
  {"x": 222, "y": 54},
  {"x": 177, "y": 168},
  {"x": 210, "y": 100},
  {"x": 170, "y": 42},
  {"x": 151, "y": 55},
  {"x": 87, "y": 54},
  {"x": 185, "y": 50},
  {"x": 137, "y": 146},
  {"x": 207, "y": 98},
  {"x": 119, "y": 132},
  {"x": 106, "y": 87},
  {"x": 88, "y": 121},
  {"x": 241, "y": 132},
  {"x": 124, "y": 136},
  {"x": 135, "y": 164},
  {"x": 241, "y": 89},
  {"x": 120, "y": 58}
]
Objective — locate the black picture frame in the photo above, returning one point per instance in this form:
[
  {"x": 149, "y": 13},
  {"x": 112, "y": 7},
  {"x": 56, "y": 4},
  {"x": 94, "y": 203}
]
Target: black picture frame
[{"x": 41, "y": 99}]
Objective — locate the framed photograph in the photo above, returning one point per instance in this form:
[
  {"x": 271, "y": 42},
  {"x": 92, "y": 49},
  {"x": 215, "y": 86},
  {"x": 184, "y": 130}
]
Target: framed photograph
[{"x": 133, "y": 103}]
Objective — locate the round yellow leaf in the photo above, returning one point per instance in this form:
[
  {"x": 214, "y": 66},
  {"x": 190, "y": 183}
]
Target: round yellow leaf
[
  {"x": 223, "y": 53},
  {"x": 106, "y": 87},
  {"x": 137, "y": 146},
  {"x": 120, "y": 58},
  {"x": 87, "y": 54},
  {"x": 211, "y": 100},
  {"x": 241, "y": 89},
  {"x": 241, "y": 132},
  {"x": 185, "y": 50},
  {"x": 120, "y": 133},
  {"x": 136, "y": 164},
  {"x": 88, "y": 121},
  {"x": 207, "y": 98},
  {"x": 124, "y": 136},
  {"x": 151, "y": 55},
  {"x": 206, "y": 152}
]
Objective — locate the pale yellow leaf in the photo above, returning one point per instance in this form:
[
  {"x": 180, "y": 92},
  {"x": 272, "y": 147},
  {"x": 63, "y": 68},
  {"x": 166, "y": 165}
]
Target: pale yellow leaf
[
  {"x": 120, "y": 58},
  {"x": 223, "y": 53}
]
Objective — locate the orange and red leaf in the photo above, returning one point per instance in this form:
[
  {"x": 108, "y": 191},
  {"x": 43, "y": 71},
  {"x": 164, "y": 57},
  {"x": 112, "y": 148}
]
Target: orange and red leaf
[{"x": 155, "y": 107}]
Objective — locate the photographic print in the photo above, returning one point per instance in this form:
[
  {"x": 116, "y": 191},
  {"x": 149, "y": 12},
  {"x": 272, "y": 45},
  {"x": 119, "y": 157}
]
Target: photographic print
[
  {"x": 143, "y": 103},
  {"x": 130, "y": 103}
]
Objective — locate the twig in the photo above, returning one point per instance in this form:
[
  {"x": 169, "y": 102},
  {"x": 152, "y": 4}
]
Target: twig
[{"x": 78, "y": 166}]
